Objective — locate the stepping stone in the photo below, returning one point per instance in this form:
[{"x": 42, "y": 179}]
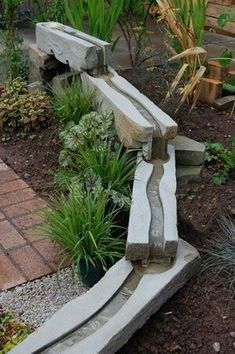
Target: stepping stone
[
  {"x": 188, "y": 151},
  {"x": 187, "y": 174},
  {"x": 103, "y": 319},
  {"x": 225, "y": 102}
]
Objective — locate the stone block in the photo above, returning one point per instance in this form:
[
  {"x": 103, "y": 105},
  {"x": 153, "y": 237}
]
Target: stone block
[
  {"x": 137, "y": 247},
  {"x": 132, "y": 128},
  {"x": 167, "y": 192},
  {"x": 210, "y": 90},
  {"x": 188, "y": 151},
  {"x": 187, "y": 174},
  {"x": 78, "y": 50},
  {"x": 62, "y": 80},
  {"x": 41, "y": 59},
  {"x": 163, "y": 125}
]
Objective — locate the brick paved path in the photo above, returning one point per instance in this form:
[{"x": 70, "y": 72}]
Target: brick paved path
[{"x": 24, "y": 256}]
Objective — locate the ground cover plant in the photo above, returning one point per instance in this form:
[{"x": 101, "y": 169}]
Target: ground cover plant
[
  {"x": 20, "y": 108},
  {"x": 12, "y": 332},
  {"x": 223, "y": 158}
]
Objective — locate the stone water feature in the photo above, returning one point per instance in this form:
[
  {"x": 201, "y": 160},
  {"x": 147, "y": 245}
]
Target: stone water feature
[{"x": 157, "y": 262}]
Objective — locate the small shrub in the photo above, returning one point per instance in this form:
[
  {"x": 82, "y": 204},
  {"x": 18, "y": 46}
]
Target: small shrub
[
  {"x": 73, "y": 102},
  {"x": 84, "y": 226},
  {"x": 224, "y": 158},
  {"x": 11, "y": 332},
  {"x": 12, "y": 56},
  {"x": 19, "y": 108},
  {"x": 52, "y": 10}
]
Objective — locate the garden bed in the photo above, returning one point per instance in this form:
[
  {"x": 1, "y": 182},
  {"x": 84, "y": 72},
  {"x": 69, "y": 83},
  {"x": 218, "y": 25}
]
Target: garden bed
[{"x": 189, "y": 318}]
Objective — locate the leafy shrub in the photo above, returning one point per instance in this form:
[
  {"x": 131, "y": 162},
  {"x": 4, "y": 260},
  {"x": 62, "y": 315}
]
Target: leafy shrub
[
  {"x": 225, "y": 158},
  {"x": 20, "y": 108},
  {"x": 52, "y": 10},
  {"x": 11, "y": 332},
  {"x": 72, "y": 102},
  {"x": 84, "y": 226},
  {"x": 93, "y": 158}
]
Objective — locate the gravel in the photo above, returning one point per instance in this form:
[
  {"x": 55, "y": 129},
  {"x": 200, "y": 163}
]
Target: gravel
[{"x": 36, "y": 301}]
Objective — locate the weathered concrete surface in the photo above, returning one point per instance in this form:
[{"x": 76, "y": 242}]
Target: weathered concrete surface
[
  {"x": 188, "y": 151},
  {"x": 164, "y": 125},
  {"x": 155, "y": 287},
  {"x": 186, "y": 174},
  {"x": 132, "y": 128},
  {"x": 41, "y": 59},
  {"x": 137, "y": 247},
  {"x": 80, "y": 51},
  {"x": 167, "y": 191},
  {"x": 77, "y": 311},
  {"x": 62, "y": 80}
]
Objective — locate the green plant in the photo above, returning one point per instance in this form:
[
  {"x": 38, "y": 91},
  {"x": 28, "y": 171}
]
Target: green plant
[
  {"x": 133, "y": 24},
  {"x": 73, "y": 102},
  {"x": 225, "y": 18},
  {"x": 49, "y": 11},
  {"x": 102, "y": 17},
  {"x": 224, "y": 158},
  {"x": 84, "y": 226},
  {"x": 221, "y": 254},
  {"x": 11, "y": 331},
  {"x": 93, "y": 158},
  {"x": 12, "y": 56},
  {"x": 226, "y": 58},
  {"x": 20, "y": 108}
]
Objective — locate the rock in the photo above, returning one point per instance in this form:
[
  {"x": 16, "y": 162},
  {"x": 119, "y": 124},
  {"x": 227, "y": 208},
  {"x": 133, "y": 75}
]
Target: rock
[
  {"x": 216, "y": 347},
  {"x": 36, "y": 86},
  {"x": 225, "y": 102},
  {"x": 186, "y": 174},
  {"x": 41, "y": 59},
  {"x": 188, "y": 151},
  {"x": 60, "y": 81},
  {"x": 232, "y": 334}
]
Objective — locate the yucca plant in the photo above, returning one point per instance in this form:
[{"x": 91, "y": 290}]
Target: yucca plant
[
  {"x": 185, "y": 20},
  {"x": 84, "y": 225},
  {"x": 102, "y": 16}
]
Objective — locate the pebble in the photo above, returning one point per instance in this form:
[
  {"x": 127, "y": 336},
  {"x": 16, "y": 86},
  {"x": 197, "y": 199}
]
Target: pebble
[
  {"x": 216, "y": 347},
  {"x": 36, "y": 301},
  {"x": 232, "y": 334}
]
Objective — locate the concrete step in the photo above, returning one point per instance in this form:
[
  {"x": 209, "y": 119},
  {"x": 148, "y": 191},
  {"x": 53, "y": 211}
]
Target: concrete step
[{"x": 103, "y": 319}]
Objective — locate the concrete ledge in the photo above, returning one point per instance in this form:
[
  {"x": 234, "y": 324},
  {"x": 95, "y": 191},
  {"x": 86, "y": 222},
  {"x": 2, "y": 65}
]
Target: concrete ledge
[
  {"x": 186, "y": 174},
  {"x": 152, "y": 292},
  {"x": 164, "y": 125},
  {"x": 78, "y": 311},
  {"x": 167, "y": 190},
  {"x": 132, "y": 128},
  {"x": 137, "y": 247},
  {"x": 188, "y": 151}
]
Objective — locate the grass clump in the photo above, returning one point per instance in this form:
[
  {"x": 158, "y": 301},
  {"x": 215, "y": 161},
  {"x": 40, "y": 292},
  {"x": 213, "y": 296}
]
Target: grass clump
[
  {"x": 72, "y": 102},
  {"x": 84, "y": 226}
]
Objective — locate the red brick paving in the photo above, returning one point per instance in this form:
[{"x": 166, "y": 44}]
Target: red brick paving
[{"x": 25, "y": 254}]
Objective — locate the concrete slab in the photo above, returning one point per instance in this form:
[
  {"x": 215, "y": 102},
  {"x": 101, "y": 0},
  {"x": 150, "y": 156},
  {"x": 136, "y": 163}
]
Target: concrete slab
[
  {"x": 187, "y": 174},
  {"x": 188, "y": 151}
]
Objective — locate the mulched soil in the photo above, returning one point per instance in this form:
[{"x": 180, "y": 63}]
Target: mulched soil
[{"x": 198, "y": 315}]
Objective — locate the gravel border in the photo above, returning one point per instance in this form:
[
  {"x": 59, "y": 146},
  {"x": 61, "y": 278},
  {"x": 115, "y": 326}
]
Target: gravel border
[{"x": 35, "y": 302}]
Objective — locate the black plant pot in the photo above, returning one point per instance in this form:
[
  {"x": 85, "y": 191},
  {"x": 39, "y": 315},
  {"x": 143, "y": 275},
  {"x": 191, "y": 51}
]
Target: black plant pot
[{"x": 90, "y": 275}]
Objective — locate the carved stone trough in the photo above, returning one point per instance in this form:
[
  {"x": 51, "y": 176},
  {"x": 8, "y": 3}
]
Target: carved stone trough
[{"x": 157, "y": 262}]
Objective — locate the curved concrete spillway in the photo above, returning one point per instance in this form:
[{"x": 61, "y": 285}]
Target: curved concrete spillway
[{"x": 157, "y": 262}]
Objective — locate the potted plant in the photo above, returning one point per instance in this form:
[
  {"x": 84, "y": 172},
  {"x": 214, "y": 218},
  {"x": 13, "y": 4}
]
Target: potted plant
[{"x": 84, "y": 225}]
